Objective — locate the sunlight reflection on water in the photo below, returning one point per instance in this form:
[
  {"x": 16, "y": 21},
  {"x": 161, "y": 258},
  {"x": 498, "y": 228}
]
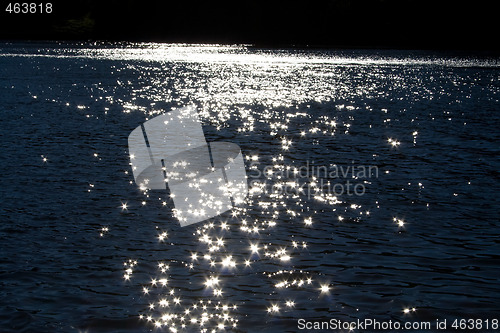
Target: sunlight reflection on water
[{"x": 295, "y": 249}]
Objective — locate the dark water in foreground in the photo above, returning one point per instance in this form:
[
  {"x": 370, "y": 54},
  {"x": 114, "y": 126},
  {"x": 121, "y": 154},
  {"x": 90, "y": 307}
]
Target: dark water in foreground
[{"x": 424, "y": 235}]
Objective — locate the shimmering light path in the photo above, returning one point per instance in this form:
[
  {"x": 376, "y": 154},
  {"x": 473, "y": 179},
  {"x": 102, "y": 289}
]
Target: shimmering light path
[{"x": 372, "y": 177}]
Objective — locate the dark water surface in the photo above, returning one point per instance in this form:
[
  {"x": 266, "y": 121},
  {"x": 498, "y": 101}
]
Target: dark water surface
[{"x": 424, "y": 236}]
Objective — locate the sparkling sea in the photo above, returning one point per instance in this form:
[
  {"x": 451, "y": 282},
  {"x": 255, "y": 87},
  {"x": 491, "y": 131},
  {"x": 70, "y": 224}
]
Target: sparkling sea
[{"x": 83, "y": 249}]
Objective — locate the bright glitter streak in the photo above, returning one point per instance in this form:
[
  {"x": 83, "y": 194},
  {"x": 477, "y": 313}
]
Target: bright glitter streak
[
  {"x": 212, "y": 281},
  {"x": 393, "y": 142},
  {"x": 228, "y": 262},
  {"x": 285, "y": 257},
  {"x": 399, "y": 222},
  {"x": 273, "y": 308},
  {"x": 325, "y": 288}
]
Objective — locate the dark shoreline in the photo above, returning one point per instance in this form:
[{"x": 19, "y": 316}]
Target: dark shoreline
[
  {"x": 486, "y": 53},
  {"x": 336, "y": 24}
]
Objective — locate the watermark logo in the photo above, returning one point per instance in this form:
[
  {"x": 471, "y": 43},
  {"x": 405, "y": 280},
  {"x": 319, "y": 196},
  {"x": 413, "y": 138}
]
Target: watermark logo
[
  {"x": 204, "y": 179},
  {"x": 318, "y": 182}
]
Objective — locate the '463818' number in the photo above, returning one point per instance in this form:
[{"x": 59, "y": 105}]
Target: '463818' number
[{"x": 29, "y": 8}]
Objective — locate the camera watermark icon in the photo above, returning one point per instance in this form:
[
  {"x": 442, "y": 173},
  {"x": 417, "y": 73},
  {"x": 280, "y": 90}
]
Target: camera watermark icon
[{"x": 204, "y": 179}]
